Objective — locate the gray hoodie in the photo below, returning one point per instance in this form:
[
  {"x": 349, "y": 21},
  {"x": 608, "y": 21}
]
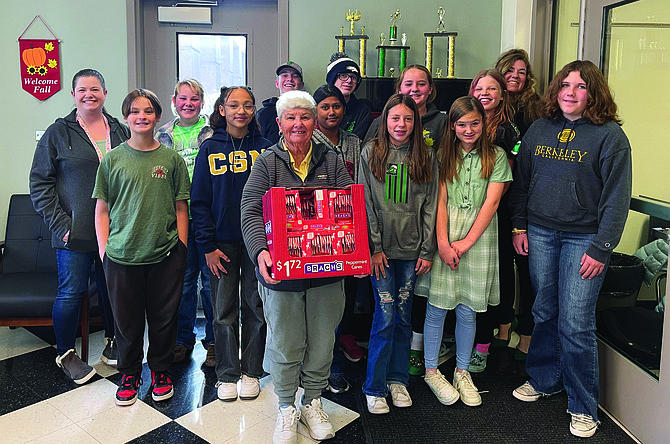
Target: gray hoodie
[
  {"x": 401, "y": 213},
  {"x": 574, "y": 176},
  {"x": 62, "y": 179}
]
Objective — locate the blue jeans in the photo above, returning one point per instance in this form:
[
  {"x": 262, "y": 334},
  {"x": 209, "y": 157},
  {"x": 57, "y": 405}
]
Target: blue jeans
[
  {"x": 388, "y": 352},
  {"x": 74, "y": 269},
  {"x": 196, "y": 265},
  {"x": 466, "y": 322},
  {"x": 564, "y": 351}
]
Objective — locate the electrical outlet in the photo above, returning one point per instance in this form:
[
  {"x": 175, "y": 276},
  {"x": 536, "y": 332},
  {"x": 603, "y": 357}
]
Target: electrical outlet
[{"x": 38, "y": 135}]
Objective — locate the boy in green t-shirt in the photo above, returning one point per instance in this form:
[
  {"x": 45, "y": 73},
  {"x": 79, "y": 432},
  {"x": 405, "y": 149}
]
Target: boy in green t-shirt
[{"x": 141, "y": 222}]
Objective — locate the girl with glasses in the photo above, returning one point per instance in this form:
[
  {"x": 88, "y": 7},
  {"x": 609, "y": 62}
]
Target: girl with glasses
[
  {"x": 222, "y": 168},
  {"x": 345, "y": 75}
]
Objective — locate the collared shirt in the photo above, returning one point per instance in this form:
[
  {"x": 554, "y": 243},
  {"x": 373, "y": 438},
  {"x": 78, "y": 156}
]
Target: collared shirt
[
  {"x": 303, "y": 169},
  {"x": 469, "y": 190}
]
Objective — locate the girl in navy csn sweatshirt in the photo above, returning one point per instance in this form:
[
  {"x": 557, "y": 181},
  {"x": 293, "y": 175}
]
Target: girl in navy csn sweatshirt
[{"x": 222, "y": 168}]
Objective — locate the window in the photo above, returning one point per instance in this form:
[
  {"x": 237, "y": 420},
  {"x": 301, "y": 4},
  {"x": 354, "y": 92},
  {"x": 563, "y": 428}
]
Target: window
[{"x": 215, "y": 60}]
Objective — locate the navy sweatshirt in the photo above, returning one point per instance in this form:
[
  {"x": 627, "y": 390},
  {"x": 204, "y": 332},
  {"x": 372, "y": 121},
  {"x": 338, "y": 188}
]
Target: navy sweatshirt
[
  {"x": 574, "y": 176},
  {"x": 221, "y": 170}
]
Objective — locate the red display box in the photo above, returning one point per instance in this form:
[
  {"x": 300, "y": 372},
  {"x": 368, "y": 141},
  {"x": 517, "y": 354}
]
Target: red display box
[{"x": 316, "y": 232}]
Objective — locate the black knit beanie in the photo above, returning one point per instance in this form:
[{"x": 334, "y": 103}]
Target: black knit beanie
[{"x": 339, "y": 63}]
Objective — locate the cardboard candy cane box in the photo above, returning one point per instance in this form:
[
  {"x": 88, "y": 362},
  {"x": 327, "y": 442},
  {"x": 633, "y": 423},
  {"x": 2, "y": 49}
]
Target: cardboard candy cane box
[{"x": 316, "y": 232}]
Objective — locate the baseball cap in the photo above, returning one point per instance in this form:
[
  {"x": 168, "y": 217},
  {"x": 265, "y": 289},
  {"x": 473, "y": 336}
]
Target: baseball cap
[{"x": 291, "y": 65}]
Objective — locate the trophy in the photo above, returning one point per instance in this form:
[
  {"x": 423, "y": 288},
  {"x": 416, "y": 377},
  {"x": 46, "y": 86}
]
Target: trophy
[
  {"x": 393, "y": 38},
  {"x": 441, "y": 32},
  {"x": 440, "y": 14},
  {"x": 353, "y": 17},
  {"x": 393, "y": 30}
]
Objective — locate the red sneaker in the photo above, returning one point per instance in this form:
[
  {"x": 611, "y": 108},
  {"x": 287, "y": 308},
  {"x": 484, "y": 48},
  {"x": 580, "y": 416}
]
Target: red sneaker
[
  {"x": 350, "y": 348},
  {"x": 126, "y": 394},
  {"x": 161, "y": 386}
]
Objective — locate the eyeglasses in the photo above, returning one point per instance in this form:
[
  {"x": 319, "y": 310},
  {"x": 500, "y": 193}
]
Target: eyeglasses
[
  {"x": 343, "y": 76},
  {"x": 235, "y": 106}
]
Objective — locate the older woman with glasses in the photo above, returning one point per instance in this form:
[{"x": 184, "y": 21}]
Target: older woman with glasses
[
  {"x": 222, "y": 168},
  {"x": 301, "y": 315},
  {"x": 345, "y": 74}
]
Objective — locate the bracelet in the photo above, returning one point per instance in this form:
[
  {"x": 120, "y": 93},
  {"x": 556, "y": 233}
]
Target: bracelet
[{"x": 516, "y": 232}]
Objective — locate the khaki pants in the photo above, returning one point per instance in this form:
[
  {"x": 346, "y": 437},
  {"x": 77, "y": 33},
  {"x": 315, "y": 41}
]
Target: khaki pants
[{"x": 301, "y": 335}]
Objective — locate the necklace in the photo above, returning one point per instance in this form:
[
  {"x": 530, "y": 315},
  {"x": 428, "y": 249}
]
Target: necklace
[{"x": 236, "y": 148}]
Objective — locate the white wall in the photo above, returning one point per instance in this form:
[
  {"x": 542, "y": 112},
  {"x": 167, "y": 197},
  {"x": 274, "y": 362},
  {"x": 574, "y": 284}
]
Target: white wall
[{"x": 93, "y": 35}]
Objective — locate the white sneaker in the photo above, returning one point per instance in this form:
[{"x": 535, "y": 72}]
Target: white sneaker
[
  {"x": 286, "y": 430},
  {"x": 526, "y": 392},
  {"x": 583, "y": 426},
  {"x": 377, "y": 405},
  {"x": 466, "y": 388},
  {"x": 445, "y": 392},
  {"x": 250, "y": 387},
  {"x": 316, "y": 420},
  {"x": 226, "y": 391},
  {"x": 400, "y": 395}
]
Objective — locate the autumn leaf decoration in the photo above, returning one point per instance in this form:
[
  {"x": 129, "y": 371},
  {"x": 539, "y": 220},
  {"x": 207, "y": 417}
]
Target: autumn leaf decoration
[
  {"x": 52, "y": 63},
  {"x": 49, "y": 47}
]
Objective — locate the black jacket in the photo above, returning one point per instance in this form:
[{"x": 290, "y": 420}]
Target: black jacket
[
  {"x": 267, "y": 119},
  {"x": 62, "y": 178},
  {"x": 357, "y": 118}
]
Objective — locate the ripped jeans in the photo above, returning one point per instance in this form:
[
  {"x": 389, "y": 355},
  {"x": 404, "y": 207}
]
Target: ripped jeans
[{"x": 388, "y": 352}]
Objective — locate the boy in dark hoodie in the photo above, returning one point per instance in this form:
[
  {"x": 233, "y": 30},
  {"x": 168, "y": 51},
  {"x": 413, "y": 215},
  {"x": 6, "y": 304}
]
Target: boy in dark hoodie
[
  {"x": 222, "y": 168},
  {"x": 569, "y": 202}
]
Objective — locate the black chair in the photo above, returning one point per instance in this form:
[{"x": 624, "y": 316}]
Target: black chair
[{"x": 28, "y": 272}]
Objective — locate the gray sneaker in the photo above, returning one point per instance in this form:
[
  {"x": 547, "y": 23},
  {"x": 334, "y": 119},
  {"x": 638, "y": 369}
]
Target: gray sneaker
[
  {"x": 110, "y": 354},
  {"x": 75, "y": 369}
]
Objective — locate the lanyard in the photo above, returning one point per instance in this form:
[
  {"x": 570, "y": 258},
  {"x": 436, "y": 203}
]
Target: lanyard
[{"x": 108, "y": 142}]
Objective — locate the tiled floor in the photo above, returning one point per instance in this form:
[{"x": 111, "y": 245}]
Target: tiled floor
[{"x": 38, "y": 404}]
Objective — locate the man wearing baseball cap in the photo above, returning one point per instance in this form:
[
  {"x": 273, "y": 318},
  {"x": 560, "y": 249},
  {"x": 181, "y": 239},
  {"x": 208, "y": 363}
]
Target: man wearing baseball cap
[{"x": 289, "y": 78}]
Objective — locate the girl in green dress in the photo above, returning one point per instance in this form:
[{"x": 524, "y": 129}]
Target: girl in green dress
[{"x": 464, "y": 278}]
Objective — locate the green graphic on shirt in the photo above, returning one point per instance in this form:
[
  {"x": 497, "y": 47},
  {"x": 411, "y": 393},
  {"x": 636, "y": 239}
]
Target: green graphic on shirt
[
  {"x": 350, "y": 127},
  {"x": 397, "y": 184},
  {"x": 185, "y": 142}
]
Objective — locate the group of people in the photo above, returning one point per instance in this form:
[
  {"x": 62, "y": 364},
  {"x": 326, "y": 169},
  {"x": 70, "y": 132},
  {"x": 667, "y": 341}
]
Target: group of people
[{"x": 453, "y": 202}]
